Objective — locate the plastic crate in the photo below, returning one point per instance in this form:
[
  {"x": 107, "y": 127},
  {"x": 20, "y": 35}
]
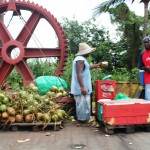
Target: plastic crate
[
  {"x": 126, "y": 112},
  {"x": 99, "y": 108},
  {"x": 104, "y": 89}
]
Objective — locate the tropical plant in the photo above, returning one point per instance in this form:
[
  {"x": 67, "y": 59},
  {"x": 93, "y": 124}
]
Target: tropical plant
[
  {"x": 146, "y": 3},
  {"x": 104, "y": 7},
  {"x": 129, "y": 24}
]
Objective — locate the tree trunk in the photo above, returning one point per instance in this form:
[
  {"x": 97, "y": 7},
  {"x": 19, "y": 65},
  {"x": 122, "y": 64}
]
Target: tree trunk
[{"x": 145, "y": 18}]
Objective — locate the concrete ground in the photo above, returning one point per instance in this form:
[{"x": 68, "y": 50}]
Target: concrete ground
[{"x": 72, "y": 137}]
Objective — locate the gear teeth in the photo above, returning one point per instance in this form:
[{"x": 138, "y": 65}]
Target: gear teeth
[
  {"x": 57, "y": 27},
  {"x": 37, "y": 5},
  {"x": 41, "y": 7},
  {"x": 45, "y": 10}
]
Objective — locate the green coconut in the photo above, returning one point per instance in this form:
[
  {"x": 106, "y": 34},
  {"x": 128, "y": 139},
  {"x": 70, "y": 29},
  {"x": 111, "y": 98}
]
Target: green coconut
[
  {"x": 3, "y": 107},
  {"x": 23, "y": 94},
  {"x": 2, "y": 96},
  {"x": 54, "y": 89},
  {"x": 46, "y": 117},
  {"x": 61, "y": 90},
  {"x": 55, "y": 117},
  {"x": 37, "y": 97},
  {"x": 5, "y": 100},
  {"x": 39, "y": 116}
]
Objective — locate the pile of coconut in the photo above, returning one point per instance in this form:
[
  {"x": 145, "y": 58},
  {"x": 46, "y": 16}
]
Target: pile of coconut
[{"x": 28, "y": 106}]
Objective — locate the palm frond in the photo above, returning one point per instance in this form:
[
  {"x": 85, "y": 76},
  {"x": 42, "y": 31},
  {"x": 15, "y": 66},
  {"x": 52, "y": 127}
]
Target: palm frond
[{"x": 103, "y": 7}]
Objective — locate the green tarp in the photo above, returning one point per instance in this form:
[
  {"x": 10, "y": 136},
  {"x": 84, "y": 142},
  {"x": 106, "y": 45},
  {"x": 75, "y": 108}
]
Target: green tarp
[{"x": 44, "y": 83}]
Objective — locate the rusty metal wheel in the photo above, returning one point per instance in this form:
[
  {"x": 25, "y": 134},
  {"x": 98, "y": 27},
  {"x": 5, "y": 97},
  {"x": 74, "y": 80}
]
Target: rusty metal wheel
[{"x": 23, "y": 37}]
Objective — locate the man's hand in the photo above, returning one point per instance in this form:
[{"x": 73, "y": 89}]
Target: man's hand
[
  {"x": 147, "y": 68},
  {"x": 83, "y": 91}
]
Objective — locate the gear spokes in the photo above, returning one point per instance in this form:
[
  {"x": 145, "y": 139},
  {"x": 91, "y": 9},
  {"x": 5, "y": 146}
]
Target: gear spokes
[{"x": 23, "y": 38}]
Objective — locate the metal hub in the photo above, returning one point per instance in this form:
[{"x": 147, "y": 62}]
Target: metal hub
[{"x": 9, "y": 43}]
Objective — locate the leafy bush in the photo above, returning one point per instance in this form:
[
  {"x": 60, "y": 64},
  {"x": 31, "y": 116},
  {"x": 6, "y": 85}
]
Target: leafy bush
[{"x": 41, "y": 68}]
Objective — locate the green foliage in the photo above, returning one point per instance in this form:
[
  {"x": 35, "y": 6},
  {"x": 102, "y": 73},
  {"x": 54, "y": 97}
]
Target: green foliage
[
  {"x": 129, "y": 24},
  {"x": 41, "y": 67},
  {"x": 124, "y": 75},
  {"x": 116, "y": 53},
  {"x": 135, "y": 77},
  {"x": 15, "y": 80},
  {"x": 68, "y": 70},
  {"x": 38, "y": 67},
  {"x": 103, "y": 7},
  {"x": 86, "y": 31},
  {"x": 120, "y": 75}
]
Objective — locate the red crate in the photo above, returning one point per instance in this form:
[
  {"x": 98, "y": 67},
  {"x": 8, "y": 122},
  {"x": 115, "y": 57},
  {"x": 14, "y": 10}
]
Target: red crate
[
  {"x": 126, "y": 112},
  {"x": 104, "y": 89}
]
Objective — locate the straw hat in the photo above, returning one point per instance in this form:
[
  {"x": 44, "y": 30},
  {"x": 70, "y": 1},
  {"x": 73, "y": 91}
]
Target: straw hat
[{"x": 84, "y": 49}]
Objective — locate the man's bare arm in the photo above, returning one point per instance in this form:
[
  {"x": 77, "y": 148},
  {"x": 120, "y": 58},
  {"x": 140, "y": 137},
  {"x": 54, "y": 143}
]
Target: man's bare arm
[{"x": 80, "y": 67}]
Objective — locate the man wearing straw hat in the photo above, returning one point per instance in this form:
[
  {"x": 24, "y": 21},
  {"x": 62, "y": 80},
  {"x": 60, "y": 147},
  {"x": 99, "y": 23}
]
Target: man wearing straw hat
[{"x": 81, "y": 86}]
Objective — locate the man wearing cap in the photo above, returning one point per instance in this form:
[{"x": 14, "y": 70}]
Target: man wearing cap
[
  {"x": 81, "y": 86},
  {"x": 144, "y": 64}
]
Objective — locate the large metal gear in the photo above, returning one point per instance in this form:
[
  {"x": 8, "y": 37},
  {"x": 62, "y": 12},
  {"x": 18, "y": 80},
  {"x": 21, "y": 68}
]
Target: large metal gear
[{"x": 8, "y": 43}]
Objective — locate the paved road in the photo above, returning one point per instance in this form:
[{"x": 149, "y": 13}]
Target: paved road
[{"x": 72, "y": 137}]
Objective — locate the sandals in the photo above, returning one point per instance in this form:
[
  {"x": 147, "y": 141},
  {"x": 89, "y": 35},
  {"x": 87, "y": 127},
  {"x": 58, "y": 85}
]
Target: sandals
[
  {"x": 82, "y": 124},
  {"x": 78, "y": 125}
]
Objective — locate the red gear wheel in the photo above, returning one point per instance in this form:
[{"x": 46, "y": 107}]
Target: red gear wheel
[{"x": 8, "y": 43}]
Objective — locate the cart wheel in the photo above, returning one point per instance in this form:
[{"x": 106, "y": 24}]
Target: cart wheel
[
  {"x": 109, "y": 131},
  {"x": 130, "y": 129}
]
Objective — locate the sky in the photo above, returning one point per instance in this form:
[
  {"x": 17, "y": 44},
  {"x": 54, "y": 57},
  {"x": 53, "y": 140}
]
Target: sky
[{"x": 81, "y": 10}]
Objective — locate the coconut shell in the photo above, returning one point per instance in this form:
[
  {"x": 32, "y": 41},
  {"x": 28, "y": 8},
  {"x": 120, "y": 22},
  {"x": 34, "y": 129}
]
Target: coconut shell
[
  {"x": 58, "y": 95},
  {"x": 29, "y": 118},
  {"x": 26, "y": 112},
  {"x": 19, "y": 118},
  {"x": 11, "y": 119},
  {"x": 5, "y": 115},
  {"x": 11, "y": 111},
  {"x": 39, "y": 116}
]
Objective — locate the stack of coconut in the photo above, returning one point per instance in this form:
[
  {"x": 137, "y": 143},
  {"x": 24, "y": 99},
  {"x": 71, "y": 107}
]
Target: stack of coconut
[{"x": 28, "y": 106}]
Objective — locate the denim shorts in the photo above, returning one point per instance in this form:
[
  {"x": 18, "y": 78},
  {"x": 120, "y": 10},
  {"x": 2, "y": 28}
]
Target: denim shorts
[
  {"x": 147, "y": 92},
  {"x": 83, "y": 107}
]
